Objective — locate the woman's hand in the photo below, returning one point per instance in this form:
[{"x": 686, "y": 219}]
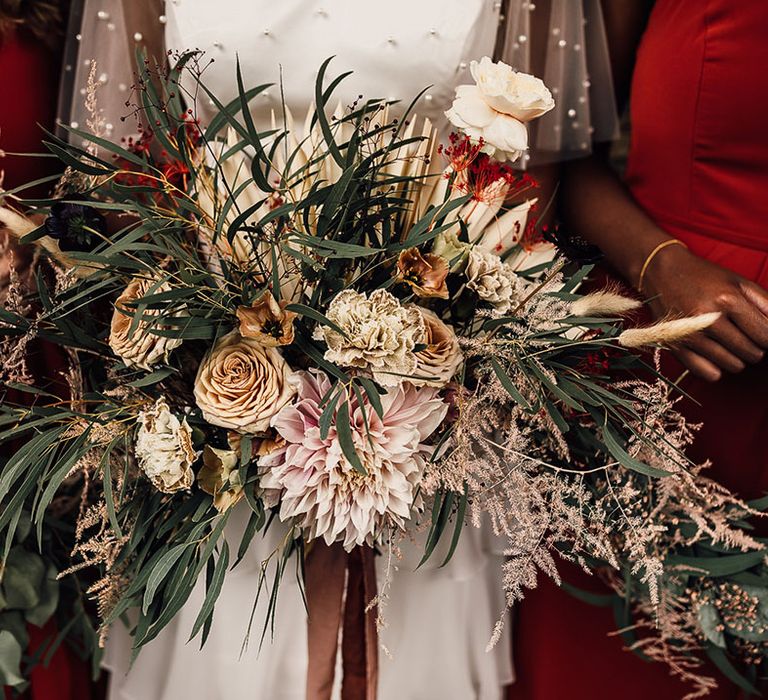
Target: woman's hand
[{"x": 678, "y": 283}]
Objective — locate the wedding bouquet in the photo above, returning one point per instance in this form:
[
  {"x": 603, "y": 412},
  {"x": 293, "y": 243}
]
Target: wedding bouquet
[{"x": 344, "y": 326}]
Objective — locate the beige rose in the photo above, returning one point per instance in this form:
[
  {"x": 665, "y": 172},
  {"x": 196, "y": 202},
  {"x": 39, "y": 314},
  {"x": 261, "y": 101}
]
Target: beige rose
[
  {"x": 241, "y": 384},
  {"x": 139, "y": 347},
  {"x": 220, "y": 478},
  {"x": 164, "y": 448},
  {"x": 437, "y": 362}
]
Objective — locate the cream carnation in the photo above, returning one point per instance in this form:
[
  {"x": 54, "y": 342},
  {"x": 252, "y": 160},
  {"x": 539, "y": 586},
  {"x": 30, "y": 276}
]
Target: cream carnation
[
  {"x": 317, "y": 484},
  {"x": 164, "y": 448},
  {"x": 493, "y": 280},
  {"x": 139, "y": 346},
  {"x": 438, "y": 361},
  {"x": 241, "y": 384},
  {"x": 380, "y": 335}
]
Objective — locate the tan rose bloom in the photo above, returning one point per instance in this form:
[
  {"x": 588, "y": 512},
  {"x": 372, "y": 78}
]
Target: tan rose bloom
[
  {"x": 140, "y": 348},
  {"x": 220, "y": 478},
  {"x": 425, "y": 274},
  {"x": 438, "y": 362},
  {"x": 241, "y": 384},
  {"x": 267, "y": 321}
]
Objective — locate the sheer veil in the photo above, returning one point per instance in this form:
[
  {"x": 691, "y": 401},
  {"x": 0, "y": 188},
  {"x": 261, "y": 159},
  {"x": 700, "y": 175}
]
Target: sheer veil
[
  {"x": 564, "y": 43},
  {"x": 103, "y": 37},
  {"x": 561, "y": 41}
]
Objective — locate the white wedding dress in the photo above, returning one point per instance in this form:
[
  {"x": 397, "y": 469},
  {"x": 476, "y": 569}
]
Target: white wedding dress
[{"x": 438, "y": 621}]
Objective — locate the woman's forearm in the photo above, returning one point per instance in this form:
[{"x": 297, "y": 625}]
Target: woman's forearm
[{"x": 597, "y": 206}]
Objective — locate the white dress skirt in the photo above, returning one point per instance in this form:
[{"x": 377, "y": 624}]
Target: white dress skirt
[{"x": 438, "y": 620}]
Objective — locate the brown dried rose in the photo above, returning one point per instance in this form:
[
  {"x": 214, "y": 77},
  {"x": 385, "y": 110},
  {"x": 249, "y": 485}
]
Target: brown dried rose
[
  {"x": 220, "y": 478},
  {"x": 139, "y": 346},
  {"x": 267, "y": 321},
  {"x": 241, "y": 384},
  {"x": 424, "y": 273},
  {"x": 439, "y": 360}
]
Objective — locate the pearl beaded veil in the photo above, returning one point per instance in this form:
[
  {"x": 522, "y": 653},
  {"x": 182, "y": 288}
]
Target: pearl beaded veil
[{"x": 561, "y": 41}]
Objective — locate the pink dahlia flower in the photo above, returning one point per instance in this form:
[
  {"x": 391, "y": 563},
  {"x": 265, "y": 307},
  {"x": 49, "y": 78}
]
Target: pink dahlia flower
[{"x": 318, "y": 486}]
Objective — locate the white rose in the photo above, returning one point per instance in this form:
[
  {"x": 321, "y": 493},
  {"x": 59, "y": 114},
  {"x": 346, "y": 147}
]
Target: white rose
[
  {"x": 493, "y": 280},
  {"x": 139, "y": 347},
  {"x": 503, "y": 136},
  {"x": 519, "y": 95},
  {"x": 164, "y": 448},
  {"x": 496, "y": 108},
  {"x": 241, "y": 384}
]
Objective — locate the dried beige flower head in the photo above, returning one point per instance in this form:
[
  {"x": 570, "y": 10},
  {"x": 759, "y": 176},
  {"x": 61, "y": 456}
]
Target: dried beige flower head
[
  {"x": 493, "y": 280},
  {"x": 220, "y": 478},
  {"x": 241, "y": 384},
  {"x": 438, "y": 361},
  {"x": 267, "y": 321},
  {"x": 164, "y": 448},
  {"x": 135, "y": 343},
  {"x": 379, "y": 335},
  {"x": 424, "y": 273}
]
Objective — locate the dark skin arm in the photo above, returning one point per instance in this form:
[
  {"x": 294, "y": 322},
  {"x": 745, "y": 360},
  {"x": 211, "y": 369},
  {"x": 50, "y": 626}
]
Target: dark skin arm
[{"x": 677, "y": 282}]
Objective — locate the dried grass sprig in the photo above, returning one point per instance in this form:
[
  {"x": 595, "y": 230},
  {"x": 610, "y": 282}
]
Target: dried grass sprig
[
  {"x": 666, "y": 333},
  {"x": 604, "y": 303}
]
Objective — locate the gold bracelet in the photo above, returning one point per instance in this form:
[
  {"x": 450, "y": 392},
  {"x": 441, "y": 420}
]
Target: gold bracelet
[{"x": 652, "y": 255}]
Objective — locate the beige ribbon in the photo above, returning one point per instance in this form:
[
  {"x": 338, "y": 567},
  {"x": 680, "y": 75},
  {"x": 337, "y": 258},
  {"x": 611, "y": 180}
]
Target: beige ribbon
[{"x": 339, "y": 588}]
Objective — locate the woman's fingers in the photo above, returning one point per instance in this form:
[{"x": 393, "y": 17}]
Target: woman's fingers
[
  {"x": 712, "y": 350},
  {"x": 735, "y": 341},
  {"x": 698, "y": 365},
  {"x": 756, "y": 295},
  {"x": 752, "y": 317}
]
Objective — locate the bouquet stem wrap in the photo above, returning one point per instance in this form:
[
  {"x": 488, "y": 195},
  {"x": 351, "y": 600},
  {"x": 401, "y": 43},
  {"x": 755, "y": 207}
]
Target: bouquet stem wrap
[{"x": 340, "y": 587}]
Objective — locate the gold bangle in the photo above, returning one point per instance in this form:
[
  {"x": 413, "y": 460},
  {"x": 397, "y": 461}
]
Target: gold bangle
[{"x": 652, "y": 255}]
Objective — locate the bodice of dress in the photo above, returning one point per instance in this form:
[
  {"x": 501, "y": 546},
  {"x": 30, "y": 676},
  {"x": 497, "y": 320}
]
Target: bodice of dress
[
  {"x": 395, "y": 48},
  {"x": 699, "y": 152}
]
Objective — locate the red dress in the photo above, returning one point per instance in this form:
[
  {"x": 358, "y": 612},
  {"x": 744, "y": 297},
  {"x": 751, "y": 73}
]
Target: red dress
[
  {"x": 29, "y": 79},
  {"x": 698, "y": 165}
]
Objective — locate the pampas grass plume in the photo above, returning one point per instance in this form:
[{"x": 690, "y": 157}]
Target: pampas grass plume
[
  {"x": 667, "y": 332},
  {"x": 605, "y": 303}
]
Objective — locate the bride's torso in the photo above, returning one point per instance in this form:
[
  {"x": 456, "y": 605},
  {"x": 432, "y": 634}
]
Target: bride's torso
[{"x": 395, "y": 48}]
